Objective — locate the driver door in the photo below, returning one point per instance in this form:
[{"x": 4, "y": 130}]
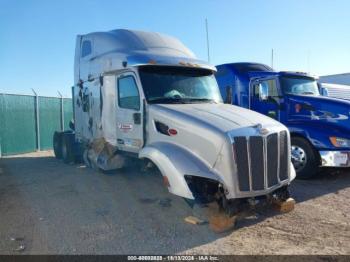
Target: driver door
[
  {"x": 265, "y": 97},
  {"x": 129, "y": 113}
]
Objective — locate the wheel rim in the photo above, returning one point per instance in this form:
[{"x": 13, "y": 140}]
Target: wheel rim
[{"x": 299, "y": 158}]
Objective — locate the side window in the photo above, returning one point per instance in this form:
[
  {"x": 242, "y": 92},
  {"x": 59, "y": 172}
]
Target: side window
[
  {"x": 128, "y": 94},
  {"x": 266, "y": 89},
  {"x": 86, "y": 48}
]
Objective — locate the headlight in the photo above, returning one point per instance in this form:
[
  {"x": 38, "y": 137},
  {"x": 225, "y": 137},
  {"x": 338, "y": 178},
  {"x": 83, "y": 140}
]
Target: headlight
[{"x": 339, "y": 142}]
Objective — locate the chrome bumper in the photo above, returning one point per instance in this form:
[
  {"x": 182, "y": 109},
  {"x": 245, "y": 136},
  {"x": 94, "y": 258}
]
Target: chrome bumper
[{"x": 335, "y": 158}]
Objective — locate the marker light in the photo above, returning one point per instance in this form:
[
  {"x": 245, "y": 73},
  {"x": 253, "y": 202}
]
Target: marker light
[{"x": 172, "y": 132}]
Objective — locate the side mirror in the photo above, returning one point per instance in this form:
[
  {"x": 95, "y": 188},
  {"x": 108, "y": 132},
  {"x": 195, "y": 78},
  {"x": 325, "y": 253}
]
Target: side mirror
[
  {"x": 324, "y": 91},
  {"x": 228, "y": 95},
  {"x": 263, "y": 92}
]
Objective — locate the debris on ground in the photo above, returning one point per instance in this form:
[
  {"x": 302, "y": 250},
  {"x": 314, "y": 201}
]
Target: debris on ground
[
  {"x": 284, "y": 206},
  {"x": 219, "y": 220},
  {"x": 194, "y": 220},
  {"x": 17, "y": 239},
  {"x": 318, "y": 225},
  {"x": 20, "y": 248}
]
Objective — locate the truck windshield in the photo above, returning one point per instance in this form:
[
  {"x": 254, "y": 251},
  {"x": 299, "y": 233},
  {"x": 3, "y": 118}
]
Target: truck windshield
[
  {"x": 169, "y": 85},
  {"x": 297, "y": 85}
]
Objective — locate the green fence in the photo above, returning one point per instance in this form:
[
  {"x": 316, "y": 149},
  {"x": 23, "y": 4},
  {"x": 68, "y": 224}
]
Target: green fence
[{"x": 27, "y": 123}]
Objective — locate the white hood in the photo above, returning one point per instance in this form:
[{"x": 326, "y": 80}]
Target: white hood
[{"x": 220, "y": 116}]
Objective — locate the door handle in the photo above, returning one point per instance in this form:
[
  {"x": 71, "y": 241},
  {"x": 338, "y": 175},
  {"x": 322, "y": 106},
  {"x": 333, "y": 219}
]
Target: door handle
[{"x": 137, "y": 118}]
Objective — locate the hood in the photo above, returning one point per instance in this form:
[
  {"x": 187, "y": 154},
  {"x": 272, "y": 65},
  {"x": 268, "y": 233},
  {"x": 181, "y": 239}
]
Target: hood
[
  {"x": 219, "y": 116},
  {"x": 321, "y": 109}
]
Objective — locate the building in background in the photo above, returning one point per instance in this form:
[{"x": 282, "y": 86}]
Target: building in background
[{"x": 340, "y": 79}]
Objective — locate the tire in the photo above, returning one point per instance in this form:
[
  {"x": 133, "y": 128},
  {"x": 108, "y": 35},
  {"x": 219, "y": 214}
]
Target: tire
[
  {"x": 57, "y": 144},
  {"x": 67, "y": 148},
  {"x": 304, "y": 158}
]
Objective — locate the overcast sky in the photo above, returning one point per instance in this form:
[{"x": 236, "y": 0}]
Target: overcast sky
[{"x": 37, "y": 38}]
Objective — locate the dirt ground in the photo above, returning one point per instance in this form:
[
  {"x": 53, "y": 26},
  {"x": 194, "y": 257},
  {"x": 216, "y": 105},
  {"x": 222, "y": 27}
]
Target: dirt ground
[{"x": 47, "y": 207}]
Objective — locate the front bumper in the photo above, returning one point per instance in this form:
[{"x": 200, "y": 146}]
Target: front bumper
[{"x": 335, "y": 158}]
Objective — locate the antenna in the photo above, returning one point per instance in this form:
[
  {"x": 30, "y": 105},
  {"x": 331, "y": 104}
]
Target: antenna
[
  {"x": 206, "y": 29},
  {"x": 272, "y": 58},
  {"x": 308, "y": 61}
]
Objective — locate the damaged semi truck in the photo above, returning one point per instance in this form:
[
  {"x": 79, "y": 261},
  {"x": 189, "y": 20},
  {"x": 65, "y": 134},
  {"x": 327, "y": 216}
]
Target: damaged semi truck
[{"x": 145, "y": 95}]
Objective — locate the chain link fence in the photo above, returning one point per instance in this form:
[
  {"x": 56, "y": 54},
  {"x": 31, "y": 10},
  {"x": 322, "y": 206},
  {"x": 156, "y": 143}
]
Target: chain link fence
[{"x": 27, "y": 122}]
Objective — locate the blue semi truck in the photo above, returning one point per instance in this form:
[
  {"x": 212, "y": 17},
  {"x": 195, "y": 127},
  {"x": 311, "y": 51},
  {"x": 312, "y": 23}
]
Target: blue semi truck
[{"x": 319, "y": 125}]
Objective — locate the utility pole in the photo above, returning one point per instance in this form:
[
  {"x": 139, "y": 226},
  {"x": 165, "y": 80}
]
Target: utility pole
[
  {"x": 272, "y": 58},
  {"x": 206, "y": 29}
]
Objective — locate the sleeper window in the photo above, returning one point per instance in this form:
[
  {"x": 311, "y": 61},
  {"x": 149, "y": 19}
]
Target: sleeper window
[
  {"x": 86, "y": 48},
  {"x": 128, "y": 94}
]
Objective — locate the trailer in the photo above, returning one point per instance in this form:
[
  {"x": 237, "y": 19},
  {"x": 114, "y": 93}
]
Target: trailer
[
  {"x": 336, "y": 90},
  {"x": 143, "y": 95}
]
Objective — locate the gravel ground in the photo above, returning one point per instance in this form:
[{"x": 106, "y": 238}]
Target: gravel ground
[{"x": 47, "y": 207}]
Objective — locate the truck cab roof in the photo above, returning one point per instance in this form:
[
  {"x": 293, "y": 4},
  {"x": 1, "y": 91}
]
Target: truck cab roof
[
  {"x": 250, "y": 69},
  {"x": 103, "y": 52}
]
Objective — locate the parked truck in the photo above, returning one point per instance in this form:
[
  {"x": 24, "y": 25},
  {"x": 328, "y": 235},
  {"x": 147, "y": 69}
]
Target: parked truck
[
  {"x": 143, "y": 95},
  {"x": 319, "y": 125}
]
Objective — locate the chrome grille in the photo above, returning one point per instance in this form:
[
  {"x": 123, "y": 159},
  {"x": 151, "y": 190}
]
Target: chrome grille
[{"x": 262, "y": 161}]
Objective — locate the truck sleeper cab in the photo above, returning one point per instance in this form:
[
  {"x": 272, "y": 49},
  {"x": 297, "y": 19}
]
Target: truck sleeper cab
[
  {"x": 319, "y": 125},
  {"x": 145, "y": 95}
]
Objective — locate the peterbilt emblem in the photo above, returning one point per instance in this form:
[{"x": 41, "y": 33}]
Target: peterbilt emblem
[{"x": 262, "y": 130}]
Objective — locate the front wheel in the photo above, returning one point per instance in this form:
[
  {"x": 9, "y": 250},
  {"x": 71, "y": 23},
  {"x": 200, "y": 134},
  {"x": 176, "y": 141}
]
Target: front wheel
[{"x": 304, "y": 158}]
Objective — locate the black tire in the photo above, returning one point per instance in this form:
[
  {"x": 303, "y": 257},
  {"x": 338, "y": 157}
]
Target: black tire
[
  {"x": 57, "y": 144},
  {"x": 303, "y": 149},
  {"x": 67, "y": 148}
]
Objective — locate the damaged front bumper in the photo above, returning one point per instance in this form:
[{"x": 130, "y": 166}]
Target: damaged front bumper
[{"x": 335, "y": 158}]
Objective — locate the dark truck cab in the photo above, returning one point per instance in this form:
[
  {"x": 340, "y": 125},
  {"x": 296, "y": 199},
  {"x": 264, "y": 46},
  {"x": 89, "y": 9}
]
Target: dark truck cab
[{"x": 319, "y": 125}]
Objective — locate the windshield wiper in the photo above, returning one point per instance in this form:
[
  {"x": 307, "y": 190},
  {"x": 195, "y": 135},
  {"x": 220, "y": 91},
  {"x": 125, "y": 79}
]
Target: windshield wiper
[
  {"x": 307, "y": 93},
  {"x": 166, "y": 100},
  {"x": 201, "y": 100}
]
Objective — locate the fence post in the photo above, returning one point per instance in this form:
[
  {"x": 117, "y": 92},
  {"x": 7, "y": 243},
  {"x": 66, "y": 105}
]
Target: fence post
[
  {"x": 37, "y": 120},
  {"x": 62, "y": 112}
]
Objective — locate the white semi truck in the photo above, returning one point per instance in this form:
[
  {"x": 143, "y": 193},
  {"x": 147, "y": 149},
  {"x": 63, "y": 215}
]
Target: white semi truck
[{"x": 145, "y": 95}]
